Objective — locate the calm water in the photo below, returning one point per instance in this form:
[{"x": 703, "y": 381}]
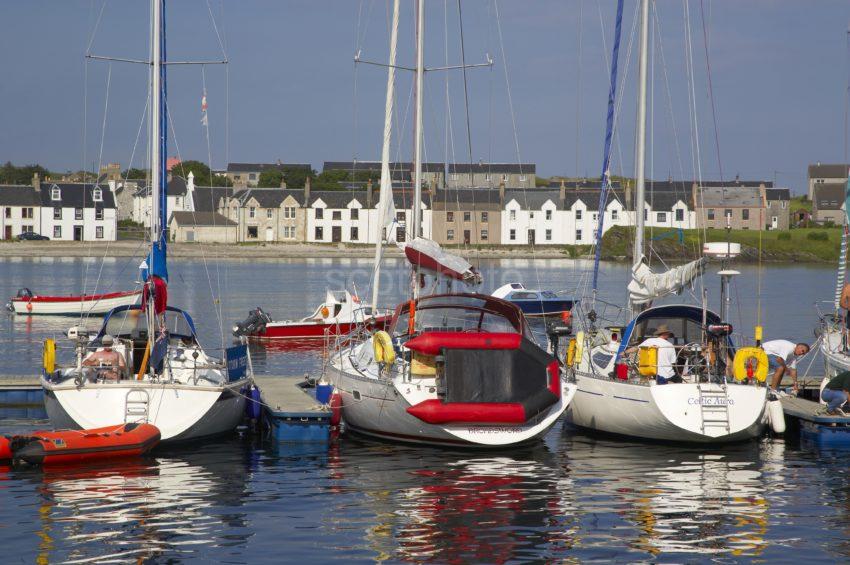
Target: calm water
[{"x": 572, "y": 497}]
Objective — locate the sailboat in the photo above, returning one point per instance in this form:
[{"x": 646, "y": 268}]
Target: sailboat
[
  {"x": 457, "y": 369},
  {"x": 166, "y": 378},
  {"x": 621, "y": 395}
]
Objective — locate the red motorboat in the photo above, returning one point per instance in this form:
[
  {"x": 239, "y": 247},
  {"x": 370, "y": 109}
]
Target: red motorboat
[
  {"x": 27, "y": 303},
  {"x": 75, "y": 446},
  {"x": 339, "y": 314}
]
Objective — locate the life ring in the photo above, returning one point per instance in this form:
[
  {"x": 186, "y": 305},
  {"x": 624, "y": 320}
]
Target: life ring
[
  {"x": 383, "y": 344},
  {"x": 571, "y": 352},
  {"x": 743, "y": 357},
  {"x": 48, "y": 356},
  {"x": 325, "y": 312}
]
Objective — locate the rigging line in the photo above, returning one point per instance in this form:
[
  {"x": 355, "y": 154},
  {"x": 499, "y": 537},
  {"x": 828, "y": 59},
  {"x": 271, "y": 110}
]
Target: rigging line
[
  {"x": 711, "y": 90},
  {"x": 672, "y": 115},
  {"x": 95, "y": 28},
  {"x": 578, "y": 87},
  {"x": 215, "y": 28},
  {"x": 465, "y": 89}
]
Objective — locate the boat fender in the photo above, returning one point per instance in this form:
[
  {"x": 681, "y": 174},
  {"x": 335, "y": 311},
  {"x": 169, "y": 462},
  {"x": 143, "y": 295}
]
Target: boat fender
[
  {"x": 336, "y": 408},
  {"x": 5, "y": 449},
  {"x": 29, "y": 306},
  {"x": 571, "y": 352},
  {"x": 648, "y": 361},
  {"x": 823, "y": 384},
  {"x": 742, "y": 365},
  {"x": 579, "y": 347},
  {"x": 776, "y": 416},
  {"x": 325, "y": 312},
  {"x": 49, "y": 356},
  {"x": 383, "y": 345},
  {"x": 253, "y": 407}
]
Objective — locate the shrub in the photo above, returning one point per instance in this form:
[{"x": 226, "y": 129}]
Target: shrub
[
  {"x": 784, "y": 236},
  {"x": 818, "y": 236}
]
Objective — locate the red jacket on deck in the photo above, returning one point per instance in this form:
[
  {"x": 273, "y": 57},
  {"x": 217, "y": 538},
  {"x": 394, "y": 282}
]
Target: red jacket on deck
[{"x": 160, "y": 295}]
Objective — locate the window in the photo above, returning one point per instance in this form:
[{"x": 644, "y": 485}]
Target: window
[
  {"x": 98, "y": 232},
  {"x": 485, "y": 216},
  {"x": 354, "y": 234},
  {"x": 710, "y": 213},
  {"x": 745, "y": 214},
  {"x": 453, "y": 176},
  {"x": 512, "y": 215},
  {"x": 661, "y": 217},
  {"x": 595, "y": 216},
  {"x": 98, "y": 213},
  {"x": 485, "y": 235},
  {"x": 336, "y": 215},
  {"x": 399, "y": 216},
  {"x": 513, "y": 235},
  {"x": 355, "y": 213},
  {"x": 487, "y": 177},
  {"x": 727, "y": 212},
  {"x": 252, "y": 176},
  {"x": 57, "y": 232},
  {"x": 26, "y": 229},
  {"x": 548, "y": 235},
  {"x": 97, "y": 195},
  {"x": 783, "y": 204},
  {"x": 645, "y": 215},
  {"x": 450, "y": 216},
  {"x": 320, "y": 214},
  {"x": 252, "y": 232},
  {"x": 288, "y": 213},
  {"x": 8, "y": 212},
  {"x": 505, "y": 178},
  {"x": 55, "y": 193},
  {"x": 613, "y": 214},
  {"x": 400, "y": 235},
  {"x": 252, "y": 212},
  {"x": 548, "y": 214},
  {"x": 319, "y": 234},
  {"x": 57, "y": 213},
  {"x": 522, "y": 178},
  {"x": 680, "y": 215},
  {"x": 450, "y": 235},
  {"x": 26, "y": 213},
  {"x": 467, "y": 216},
  {"x": 578, "y": 235},
  {"x": 237, "y": 177},
  {"x": 531, "y": 215},
  {"x": 269, "y": 213},
  {"x": 578, "y": 214}
]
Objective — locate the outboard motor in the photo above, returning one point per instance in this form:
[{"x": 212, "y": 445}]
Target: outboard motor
[
  {"x": 253, "y": 324},
  {"x": 24, "y": 293}
]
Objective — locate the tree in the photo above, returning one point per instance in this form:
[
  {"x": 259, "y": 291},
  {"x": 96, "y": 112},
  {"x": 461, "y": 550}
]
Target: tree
[
  {"x": 135, "y": 174},
  {"x": 11, "y": 174},
  {"x": 270, "y": 178},
  {"x": 203, "y": 177}
]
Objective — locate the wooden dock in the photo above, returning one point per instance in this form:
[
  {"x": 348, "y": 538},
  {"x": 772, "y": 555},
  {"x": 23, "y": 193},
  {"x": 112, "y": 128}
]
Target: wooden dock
[
  {"x": 816, "y": 426},
  {"x": 294, "y": 415},
  {"x": 810, "y": 411}
]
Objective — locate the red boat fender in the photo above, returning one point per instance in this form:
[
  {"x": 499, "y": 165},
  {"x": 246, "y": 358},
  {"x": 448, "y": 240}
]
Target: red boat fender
[
  {"x": 430, "y": 343},
  {"x": 435, "y": 412},
  {"x": 336, "y": 408},
  {"x": 554, "y": 370},
  {"x": 75, "y": 446},
  {"x": 5, "y": 449}
]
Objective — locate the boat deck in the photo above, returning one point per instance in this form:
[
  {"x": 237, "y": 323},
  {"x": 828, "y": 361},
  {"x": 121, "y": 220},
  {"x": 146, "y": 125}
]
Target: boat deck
[{"x": 810, "y": 411}]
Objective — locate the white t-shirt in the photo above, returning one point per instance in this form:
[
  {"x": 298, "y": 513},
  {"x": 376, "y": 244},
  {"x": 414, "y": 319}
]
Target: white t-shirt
[
  {"x": 666, "y": 355},
  {"x": 782, "y": 348}
]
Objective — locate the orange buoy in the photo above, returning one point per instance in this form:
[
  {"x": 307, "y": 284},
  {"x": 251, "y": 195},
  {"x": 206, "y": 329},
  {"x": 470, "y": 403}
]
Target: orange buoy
[
  {"x": 336, "y": 408},
  {"x": 75, "y": 446},
  {"x": 5, "y": 449},
  {"x": 29, "y": 306}
]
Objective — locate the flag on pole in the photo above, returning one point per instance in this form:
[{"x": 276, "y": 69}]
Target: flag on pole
[{"x": 204, "y": 120}]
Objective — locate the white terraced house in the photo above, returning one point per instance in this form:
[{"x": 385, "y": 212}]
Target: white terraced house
[{"x": 78, "y": 212}]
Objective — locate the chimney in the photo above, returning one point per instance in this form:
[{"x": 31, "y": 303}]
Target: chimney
[
  {"x": 562, "y": 192},
  {"x": 369, "y": 193},
  {"x": 628, "y": 189},
  {"x": 502, "y": 194},
  {"x": 307, "y": 183},
  {"x": 433, "y": 188},
  {"x": 36, "y": 182},
  {"x": 283, "y": 182}
]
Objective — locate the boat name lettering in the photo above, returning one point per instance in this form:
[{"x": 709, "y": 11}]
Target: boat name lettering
[
  {"x": 711, "y": 401},
  {"x": 495, "y": 430}
]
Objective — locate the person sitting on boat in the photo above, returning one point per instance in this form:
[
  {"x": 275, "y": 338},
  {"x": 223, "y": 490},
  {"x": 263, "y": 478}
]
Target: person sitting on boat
[
  {"x": 836, "y": 393},
  {"x": 662, "y": 339},
  {"x": 110, "y": 363},
  {"x": 783, "y": 355}
]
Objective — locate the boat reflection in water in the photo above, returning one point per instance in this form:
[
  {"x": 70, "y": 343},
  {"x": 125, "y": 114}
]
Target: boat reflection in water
[
  {"x": 172, "y": 506},
  {"x": 677, "y": 501}
]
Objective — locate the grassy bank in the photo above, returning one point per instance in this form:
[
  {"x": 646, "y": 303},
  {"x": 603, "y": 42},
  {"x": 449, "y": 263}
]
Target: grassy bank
[{"x": 797, "y": 245}]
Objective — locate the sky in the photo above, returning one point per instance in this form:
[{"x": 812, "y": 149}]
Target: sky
[{"x": 292, "y": 92}]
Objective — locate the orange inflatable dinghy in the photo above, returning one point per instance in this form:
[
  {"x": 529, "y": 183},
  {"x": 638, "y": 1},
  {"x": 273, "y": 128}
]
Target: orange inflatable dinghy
[
  {"x": 5, "y": 449},
  {"x": 75, "y": 446}
]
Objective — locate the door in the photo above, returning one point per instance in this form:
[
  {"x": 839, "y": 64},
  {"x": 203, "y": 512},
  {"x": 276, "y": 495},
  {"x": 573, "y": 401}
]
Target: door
[
  {"x": 774, "y": 222},
  {"x": 78, "y": 233},
  {"x": 8, "y": 232},
  {"x": 467, "y": 237},
  {"x": 269, "y": 234},
  {"x": 336, "y": 234},
  {"x": 531, "y": 239},
  {"x": 190, "y": 236}
]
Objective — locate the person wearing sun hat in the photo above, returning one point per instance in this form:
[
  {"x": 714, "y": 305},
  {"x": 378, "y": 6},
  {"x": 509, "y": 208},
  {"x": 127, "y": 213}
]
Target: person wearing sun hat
[{"x": 111, "y": 362}]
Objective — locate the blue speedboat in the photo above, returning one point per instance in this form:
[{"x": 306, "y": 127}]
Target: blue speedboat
[{"x": 534, "y": 302}]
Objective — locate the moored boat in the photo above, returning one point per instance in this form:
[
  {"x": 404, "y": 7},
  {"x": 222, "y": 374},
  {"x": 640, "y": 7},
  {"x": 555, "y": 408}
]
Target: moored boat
[
  {"x": 63, "y": 447},
  {"x": 534, "y": 302},
  {"x": 27, "y": 303}
]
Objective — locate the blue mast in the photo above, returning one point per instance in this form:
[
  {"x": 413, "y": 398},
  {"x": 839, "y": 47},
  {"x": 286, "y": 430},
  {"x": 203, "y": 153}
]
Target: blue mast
[
  {"x": 609, "y": 134},
  {"x": 158, "y": 265}
]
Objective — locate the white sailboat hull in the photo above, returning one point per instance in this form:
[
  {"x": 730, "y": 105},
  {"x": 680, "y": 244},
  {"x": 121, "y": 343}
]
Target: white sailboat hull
[
  {"x": 181, "y": 412},
  {"x": 669, "y": 412},
  {"x": 835, "y": 358},
  {"x": 74, "y": 305}
]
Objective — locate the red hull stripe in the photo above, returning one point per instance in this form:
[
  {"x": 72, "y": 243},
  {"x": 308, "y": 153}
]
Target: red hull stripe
[
  {"x": 427, "y": 262},
  {"x": 305, "y": 331},
  {"x": 84, "y": 298},
  {"x": 430, "y": 343},
  {"x": 435, "y": 412}
]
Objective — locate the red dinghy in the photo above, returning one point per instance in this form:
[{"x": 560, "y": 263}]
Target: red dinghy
[
  {"x": 25, "y": 302},
  {"x": 5, "y": 449},
  {"x": 76, "y": 446}
]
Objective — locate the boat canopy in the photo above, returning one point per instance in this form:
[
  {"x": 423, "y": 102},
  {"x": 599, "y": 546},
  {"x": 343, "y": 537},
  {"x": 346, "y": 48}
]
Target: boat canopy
[
  {"x": 684, "y": 320},
  {"x": 460, "y": 312},
  {"x": 647, "y": 286},
  {"x": 131, "y": 322},
  {"x": 427, "y": 254}
]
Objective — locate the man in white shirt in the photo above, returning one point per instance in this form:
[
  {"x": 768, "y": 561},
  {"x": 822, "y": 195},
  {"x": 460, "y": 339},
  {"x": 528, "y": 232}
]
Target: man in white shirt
[
  {"x": 783, "y": 355},
  {"x": 666, "y": 352}
]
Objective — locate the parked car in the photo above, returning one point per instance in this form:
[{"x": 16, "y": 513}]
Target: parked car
[{"x": 32, "y": 236}]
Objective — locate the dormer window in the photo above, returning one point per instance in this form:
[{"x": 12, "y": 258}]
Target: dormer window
[
  {"x": 55, "y": 193},
  {"x": 97, "y": 195}
]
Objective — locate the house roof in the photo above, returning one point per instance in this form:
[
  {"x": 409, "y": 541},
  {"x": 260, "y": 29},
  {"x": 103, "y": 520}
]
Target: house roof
[
  {"x": 18, "y": 195},
  {"x": 827, "y": 171},
  {"x": 340, "y": 198},
  {"x": 200, "y": 219},
  {"x": 829, "y": 196},
  {"x": 206, "y": 198},
  {"x": 534, "y": 199},
  {"x": 742, "y": 196},
  {"x": 376, "y": 166},
  {"x": 269, "y": 197},
  {"x": 260, "y": 167},
  {"x": 76, "y": 195},
  {"x": 735, "y": 183},
  {"x": 176, "y": 187},
  {"x": 466, "y": 196},
  {"x": 778, "y": 194},
  {"x": 483, "y": 168}
]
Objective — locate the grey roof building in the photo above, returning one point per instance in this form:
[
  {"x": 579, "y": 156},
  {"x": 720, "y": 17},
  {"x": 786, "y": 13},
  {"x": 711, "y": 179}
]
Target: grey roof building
[
  {"x": 825, "y": 174},
  {"x": 828, "y": 203}
]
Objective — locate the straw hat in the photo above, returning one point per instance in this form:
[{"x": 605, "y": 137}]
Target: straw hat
[
  {"x": 662, "y": 329},
  {"x": 107, "y": 340}
]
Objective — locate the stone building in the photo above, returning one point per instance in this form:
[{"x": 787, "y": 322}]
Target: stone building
[
  {"x": 201, "y": 227},
  {"x": 467, "y": 216},
  {"x": 492, "y": 175},
  {"x": 820, "y": 174}
]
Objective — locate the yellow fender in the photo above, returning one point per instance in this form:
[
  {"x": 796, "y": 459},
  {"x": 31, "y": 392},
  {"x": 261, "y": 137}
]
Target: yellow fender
[
  {"x": 648, "y": 361},
  {"x": 579, "y": 347},
  {"x": 383, "y": 344},
  {"x": 48, "y": 356},
  {"x": 743, "y": 356},
  {"x": 571, "y": 352}
]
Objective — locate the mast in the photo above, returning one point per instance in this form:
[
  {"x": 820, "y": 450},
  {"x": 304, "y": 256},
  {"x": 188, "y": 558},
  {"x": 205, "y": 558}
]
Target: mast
[
  {"x": 417, "y": 151},
  {"x": 385, "y": 206},
  {"x": 156, "y": 97},
  {"x": 640, "y": 156}
]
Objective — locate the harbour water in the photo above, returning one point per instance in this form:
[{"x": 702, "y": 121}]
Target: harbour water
[{"x": 571, "y": 497}]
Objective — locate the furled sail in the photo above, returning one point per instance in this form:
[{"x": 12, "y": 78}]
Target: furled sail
[
  {"x": 647, "y": 286},
  {"x": 427, "y": 255}
]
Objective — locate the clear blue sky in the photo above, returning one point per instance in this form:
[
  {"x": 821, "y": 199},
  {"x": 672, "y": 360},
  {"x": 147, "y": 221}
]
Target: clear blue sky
[{"x": 779, "y": 72}]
